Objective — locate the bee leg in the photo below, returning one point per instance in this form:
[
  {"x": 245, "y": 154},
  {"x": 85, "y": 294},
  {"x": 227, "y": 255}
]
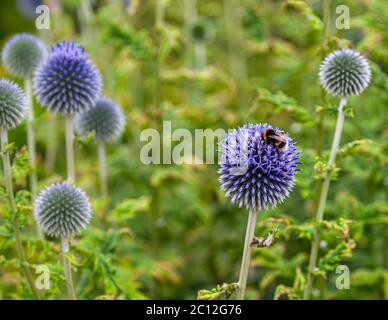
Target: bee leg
[{"x": 277, "y": 150}]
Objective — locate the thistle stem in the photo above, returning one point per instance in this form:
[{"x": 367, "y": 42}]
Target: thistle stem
[
  {"x": 190, "y": 14},
  {"x": 85, "y": 15},
  {"x": 246, "y": 258},
  {"x": 70, "y": 149},
  {"x": 103, "y": 173},
  {"x": 159, "y": 22},
  {"x": 321, "y": 121},
  {"x": 15, "y": 223},
  {"x": 52, "y": 144},
  {"x": 66, "y": 264},
  {"x": 326, "y": 18},
  {"x": 200, "y": 56},
  {"x": 200, "y": 60},
  {"x": 320, "y": 125},
  {"x": 31, "y": 143},
  {"x": 237, "y": 58},
  {"x": 31, "y": 137},
  {"x": 323, "y": 197}
]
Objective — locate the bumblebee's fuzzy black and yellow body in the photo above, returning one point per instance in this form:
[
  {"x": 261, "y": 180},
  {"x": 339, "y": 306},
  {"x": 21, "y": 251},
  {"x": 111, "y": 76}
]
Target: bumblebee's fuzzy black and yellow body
[{"x": 279, "y": 141}]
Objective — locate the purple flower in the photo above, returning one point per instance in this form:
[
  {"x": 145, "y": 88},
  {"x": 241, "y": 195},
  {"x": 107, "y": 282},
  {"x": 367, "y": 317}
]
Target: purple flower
[
  {"x": 67, "y": 82},
  {"x": 254, "y": 173}
]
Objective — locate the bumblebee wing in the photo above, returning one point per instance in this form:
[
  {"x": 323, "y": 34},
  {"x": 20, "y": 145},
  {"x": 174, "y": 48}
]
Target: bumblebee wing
[{"x": 278, "y": 137}]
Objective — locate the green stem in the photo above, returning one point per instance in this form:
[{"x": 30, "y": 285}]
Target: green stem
[
  {"x": 321, "y": 121},
  {"x": 323, "y": 197},
  {"x": 31, "y": 144},
  {"x": 85, "y": 14},
  {"x": 237, "y": 58},
  {"x": 70, "y": 149},
  {"x": 52, "y": 144},
  {"x": 31, "y": 137},
  {"x": 190, "y": 14},
  {"x": 15, "y": 224},
  {"x": 66, "y": 264},
  {"x": 246, "y": 258},
  {"x": 159, "y": 13},
  {"x": 103, "y": 173},
  {"x": 159, "y": 22},
  {"x": 200, "y": 57},
  {"x": 326, "y": 18},
  {"x": 325, "y": 35}
]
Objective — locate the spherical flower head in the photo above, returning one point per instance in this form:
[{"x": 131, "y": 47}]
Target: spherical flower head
[
  {"x": 105, "y": 119},
  {"x": 254, "y": 173},
  {"x": 62, "y": 210},
  {"x": 13, "y": 104},
  {"x": 344, "y": 73},
  {"x": 22, "y": 54},
  {"x": 67, "y": 82},
  {"x": 28, "y": 7}
]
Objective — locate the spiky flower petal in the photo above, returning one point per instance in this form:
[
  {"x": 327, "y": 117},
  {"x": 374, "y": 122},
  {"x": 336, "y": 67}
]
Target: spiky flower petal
[
  {"x": 62, "y": 210},
  {"x": 13, "y": 104},
  {"x": 253, "y": 173},
  {"x": 22, "y": 54},
  {"x": 105, "y": 119},
  {"x": 67, "y": 82},
  {"x": 344, "y": 73}
]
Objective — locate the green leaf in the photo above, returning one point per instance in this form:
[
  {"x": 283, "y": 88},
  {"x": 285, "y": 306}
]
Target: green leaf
[
  {"x": 21, "y": 165},
  {"x": 332, "y": 258},
  {"x": 278, "y": 103},
  {"x": 226, "y": 289},
  {"x": 129, "y": 207}
]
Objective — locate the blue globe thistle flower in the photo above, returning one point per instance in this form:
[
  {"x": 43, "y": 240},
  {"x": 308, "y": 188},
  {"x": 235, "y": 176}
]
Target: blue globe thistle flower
[
  {"x": 13, "y": 104},
  {"x": 27, "y": 7},
  {"x": 22, "y": 54},
  {"x": 254, "y": 173},
  {"x": 67, "y": 82},
  {"x": 344, "y": 73},
  {"x": 105, "y": 119},
  {"x": 62, "y": 210}
]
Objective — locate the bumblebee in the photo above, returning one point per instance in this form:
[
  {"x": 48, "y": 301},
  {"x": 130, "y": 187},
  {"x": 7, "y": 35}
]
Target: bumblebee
[{"x": 279, "y": 141}]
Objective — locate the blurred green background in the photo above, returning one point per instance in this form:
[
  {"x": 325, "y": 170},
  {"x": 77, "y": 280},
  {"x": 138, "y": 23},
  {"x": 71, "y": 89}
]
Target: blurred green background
[{"x": 168, "y": 230}]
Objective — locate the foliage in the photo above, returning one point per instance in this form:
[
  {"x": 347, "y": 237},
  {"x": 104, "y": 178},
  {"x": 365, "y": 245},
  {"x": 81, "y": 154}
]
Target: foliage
[{"x": 167, "y": 231}]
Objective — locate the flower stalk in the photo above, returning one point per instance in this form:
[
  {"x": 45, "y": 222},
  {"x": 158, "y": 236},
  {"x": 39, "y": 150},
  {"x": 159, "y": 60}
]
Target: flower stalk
[
  {"x": 31, "y": 136},
  {"x": 62, "y": 211},
  {"x": 321, "y": 119},
  {"x": 70, "y": 149},
  {"x": 323, "y": 196},
  {"x": 159, "y": 23},
  {"x": 9, "y": 186},
  {"x": 103, "y": 173},
  {"x": 190, "y": 15},
  {"x": 67, "y": 268},
  {"x": 52, "y": 144},
  {"x": 235, "y": 37},
  {"x": 31, "y": 144},
  {"x": 246, "y": 258}
]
